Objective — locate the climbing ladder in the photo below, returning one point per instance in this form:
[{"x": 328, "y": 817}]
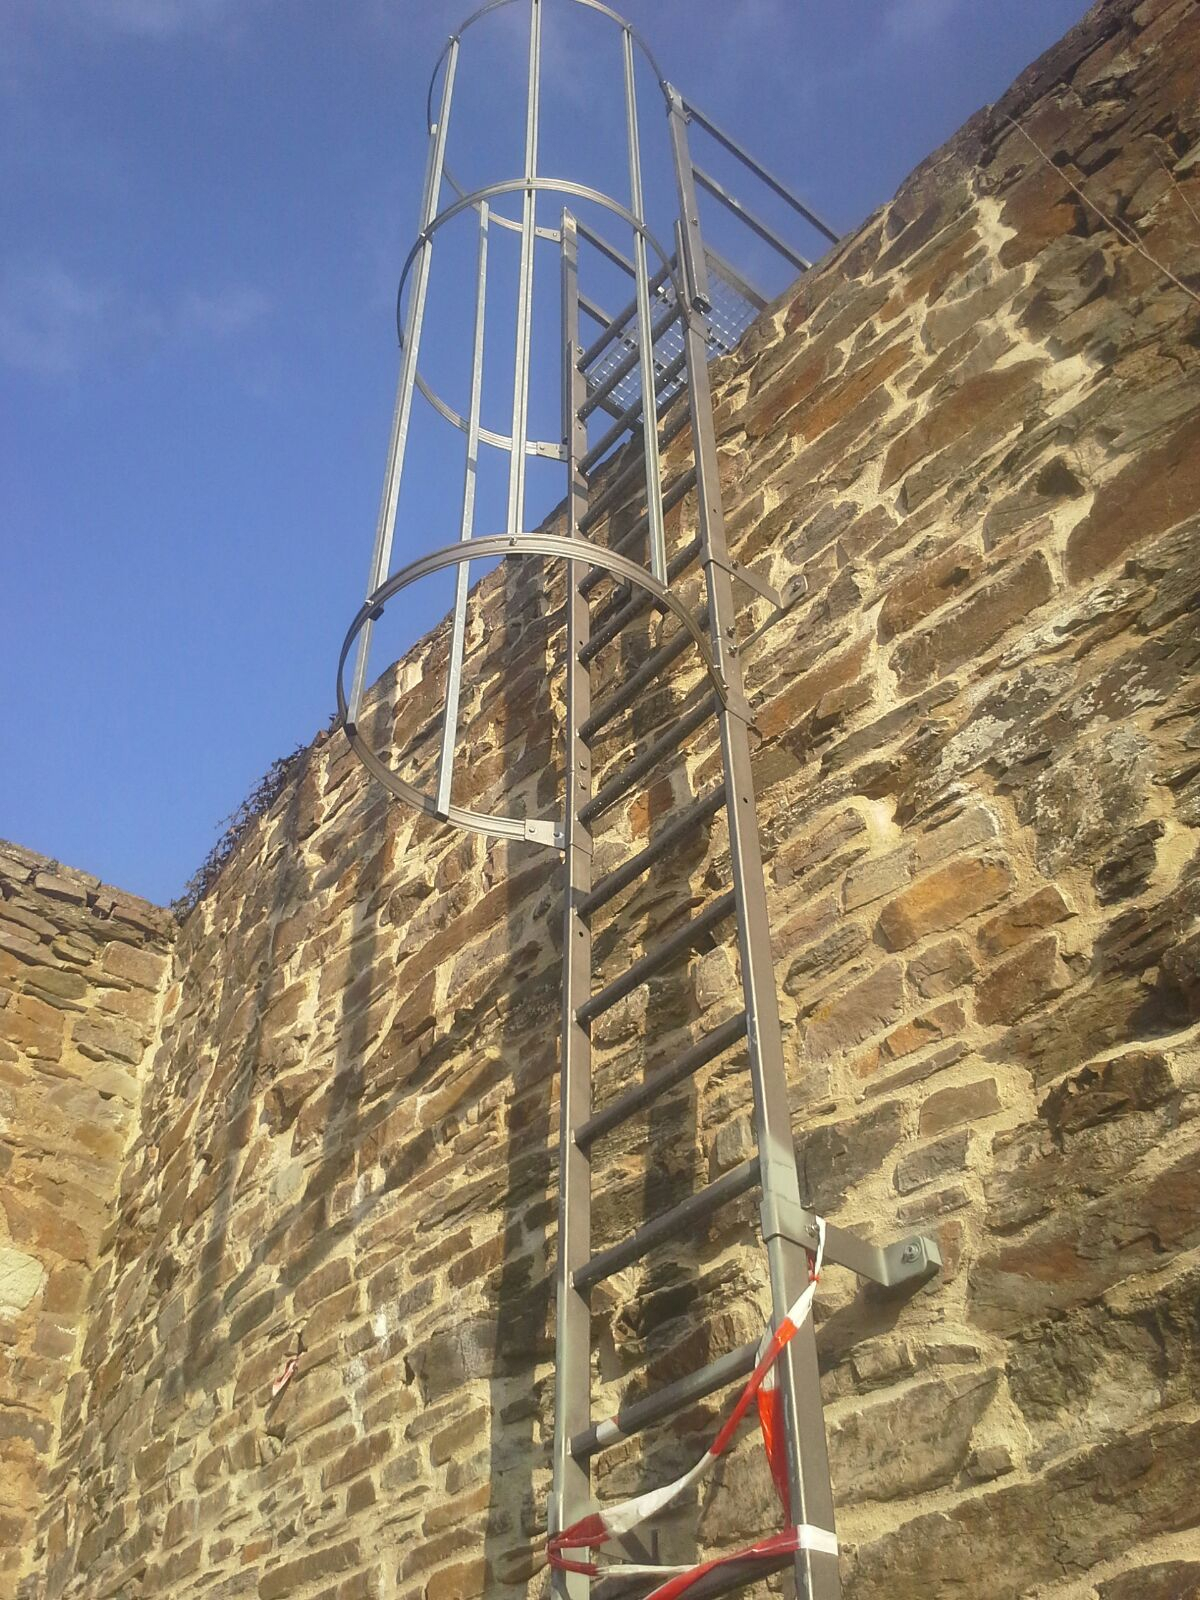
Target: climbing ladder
[
  {"x": 640, "y": 382},
  {"x": 789, "y": 1230}
]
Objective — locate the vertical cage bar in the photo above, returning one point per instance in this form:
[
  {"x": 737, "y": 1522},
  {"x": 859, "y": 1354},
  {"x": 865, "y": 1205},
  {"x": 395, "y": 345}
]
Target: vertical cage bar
[
  {"x": 645, "y": 335},
  {"x": 520, "y": 414},
  {"x": 385, "y": 527},
  {"x": 816, "y": 1572},
  {"x": 466, "y": 527},
  {"x": 572, "y": 1377}
]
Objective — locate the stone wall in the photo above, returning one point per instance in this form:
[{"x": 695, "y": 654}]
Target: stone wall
[
  {"x": 973, "y": 431},
  {"x": 82, "y": 967}
]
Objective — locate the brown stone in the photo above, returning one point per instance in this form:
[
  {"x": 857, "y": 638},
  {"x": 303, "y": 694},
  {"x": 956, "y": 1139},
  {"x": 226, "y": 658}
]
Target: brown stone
[
  {"x": 943, "y": 899},
  {"x": 912, "y": 597},
  {"x": 784, "y": 712},
  {"x": 941, "y": 969},
  {"x": 906, "y": 1444},
  {"x": 1012, "y": 927},
  {"x": 934, "y": 1160},
  {"x": 959, "y": 1103},
  {"x": 993, "y": 400},
  {"x": 977, "y": 624},
  {"x": 1136, "y": 1081},
  {"x": 1152, "y": 493},
  {"x": 34, "y": 1027},
  {"x": 1022, "y": 982},
  {"x": 841, "y": 1021},
  {"x": 820, "y": 409},
  {"x": 788, "y": 389},
  {"x": 277, "y": 1583}
]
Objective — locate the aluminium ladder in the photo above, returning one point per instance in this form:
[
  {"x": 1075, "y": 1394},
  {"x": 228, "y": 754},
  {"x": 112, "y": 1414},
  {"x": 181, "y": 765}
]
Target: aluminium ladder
[
  {"x": 646, "y": 372},
  {"x": 789, "y": 1231}
]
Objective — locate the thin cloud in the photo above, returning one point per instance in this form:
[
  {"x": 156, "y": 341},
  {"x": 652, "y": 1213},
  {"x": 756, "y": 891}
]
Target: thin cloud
[
  {"x": 56, "y": 324},
  {"x": 51, "y": 321},
  {"x": 914, "y": 19},
  {"x": 223, "y": 314},
  {"x": 160, "y": 19}
]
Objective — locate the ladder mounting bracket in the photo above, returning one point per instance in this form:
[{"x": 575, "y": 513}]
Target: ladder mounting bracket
[
  {"x": 786, "y": 1219},
  {"x": 911, "y": 1260}
]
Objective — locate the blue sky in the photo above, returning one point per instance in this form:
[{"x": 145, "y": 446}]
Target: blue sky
[{"x": 204, "y": 205}]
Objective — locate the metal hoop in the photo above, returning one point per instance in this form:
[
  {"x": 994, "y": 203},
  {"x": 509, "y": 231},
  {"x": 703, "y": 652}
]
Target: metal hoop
[
  {"x": 552, "y": 449},
  {"x": 494, "y": 5},
  {"x": 503, "y": 546}
]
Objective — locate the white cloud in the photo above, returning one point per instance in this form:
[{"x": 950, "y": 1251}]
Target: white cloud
[
  {"x": 913, "y": 19},
  {"x": 158, "y": 19},
  {"x": 55, "y": 323},
  {"x": 224, "y": 313},
  {"x": 51, "y": 321}
]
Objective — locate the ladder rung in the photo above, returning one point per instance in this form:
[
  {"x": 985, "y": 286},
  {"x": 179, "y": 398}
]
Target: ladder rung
[
  {"x": 611, "y": 622},
  {"x": 630, "y": 690},
  {"x": 618, "y": 615},
  {"x": 696, "y": 1208},
  {"x": 614, "y": 326},
  {"x": 666, "y": 1401},
  {"x": 632, "y": 473},
  {"x": 627, "y": 362},
  {"x": 663, "y": 842},
  {"x": 609, "y": 793},
  {"x": 657, "y": 957},
  {"x": 721, "y": 1581},
  {"x": 626, "y": 1105},
  {"x": 632, "y": 411}
]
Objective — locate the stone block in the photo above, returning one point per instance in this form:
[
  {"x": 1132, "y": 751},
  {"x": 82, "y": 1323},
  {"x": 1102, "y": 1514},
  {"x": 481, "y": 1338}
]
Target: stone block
[
  {"x": 842, "y": 1020},
  {"x": 945, "y": 1155},
  {"x": 975, "y": 625},
  {"x": 943, "y": 899},
  {"x": 1020, "y": 922},
  {"x": 1154, "y": 491},
  {"x": 941, "y": 969},
  {"x": 909, "y": 1442},
  {"x": 967, "y": 1102},
  {"x": 1023, "y": 981}
]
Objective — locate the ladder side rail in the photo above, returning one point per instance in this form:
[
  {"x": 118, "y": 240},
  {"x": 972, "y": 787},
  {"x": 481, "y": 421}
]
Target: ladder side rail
[
  {"x": 645, "y": 330},
  {"x": 571, "y": 1492},
  {"x": 783, "y": 1223},
  {"x": 466, "y": 528},
  {"x": 520, "y": 411},
  {"x": 385, "y": 527}
]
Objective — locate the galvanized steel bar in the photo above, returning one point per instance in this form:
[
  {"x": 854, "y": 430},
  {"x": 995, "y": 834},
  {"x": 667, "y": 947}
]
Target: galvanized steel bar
[
  {"x": 385, "y": 527},
  {"x": 657, "y": 957},
  {"x": 665, "y": 1402},
  {"x": 520, "y": 413},
  {"x": 466, "y": 527},
  {"x": 619, "y": 785},
  {"x": 628, "y": 361},
  {"x": 645, "y": 334},
  {"x": 660, "y": 1080},
  {"x": 744, "y": 214},
  {"x": 670, "y": 1224},
  {"x": 614, "y": 325},
  {"x": 782, "y": 1220},
  {"x": 691, "y": 253},
  {"x": 572, "y": 1376},
  {"x": 755, "y": 166},
  {"x": 629, "y": 416}
]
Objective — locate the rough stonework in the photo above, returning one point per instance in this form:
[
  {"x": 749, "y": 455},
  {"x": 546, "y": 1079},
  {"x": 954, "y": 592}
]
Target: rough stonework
[
  {"x": 974, "y": 431},
  {"x": 82, "y": 969}
]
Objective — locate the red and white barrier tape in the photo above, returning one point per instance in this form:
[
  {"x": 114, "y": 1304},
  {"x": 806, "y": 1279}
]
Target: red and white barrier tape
[{"x": 594, "y": 1531}]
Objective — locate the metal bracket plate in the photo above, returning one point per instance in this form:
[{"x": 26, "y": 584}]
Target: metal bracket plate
[{"x": 910, "y": 1260}]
